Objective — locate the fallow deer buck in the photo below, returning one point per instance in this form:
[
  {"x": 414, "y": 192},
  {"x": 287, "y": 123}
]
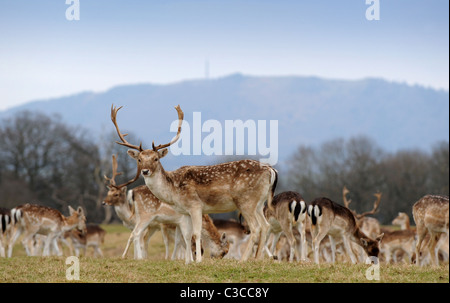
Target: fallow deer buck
[
  {"x": 337, "y": 221},
  {"x": 289, "y": 212},
  {"x": 195, "y": 190},
  {"x": 145, "y": 213},
  {"x": 431, "y": 217},
  {"x": 5, "y": 227},
  {"x": 32, "y": 219},
  {"x": 124, "y": 205},
  {"x": 369, "y": 225}
]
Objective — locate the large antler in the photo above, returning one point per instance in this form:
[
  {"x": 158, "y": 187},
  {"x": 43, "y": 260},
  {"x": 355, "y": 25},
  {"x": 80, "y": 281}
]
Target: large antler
[
  {"x": 124, "y": 142},
  {"x": 374, "y": 209},
  {"x": 180, "y": 121},
  {"x": 347, "y": 202},
  {"x": 112, "y": 180}
]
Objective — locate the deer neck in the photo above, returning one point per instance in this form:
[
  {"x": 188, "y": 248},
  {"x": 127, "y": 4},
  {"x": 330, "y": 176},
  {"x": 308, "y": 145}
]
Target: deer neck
[
  {"x": 69, "y": 222},
  {"x": 124, "y": 211},
  {"x": 357, "y": 235},
  {"x": 405, "y": 224},
  {"x": 161, "y": 185}
]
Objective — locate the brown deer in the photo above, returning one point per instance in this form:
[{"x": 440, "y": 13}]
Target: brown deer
[
  {"x": 32, "y": 219},
  {"x": 289, "y": 212},
  {"x": 431, "y": 217},
  {"x": 150, "y": 210},
  {"x": 337, "y": 221},
  {"x": 368, "y": 225},
  {"x": 124, "y": 205},
  {"x": 94, "y": 237},
  {"x": 195, "y": 190}
]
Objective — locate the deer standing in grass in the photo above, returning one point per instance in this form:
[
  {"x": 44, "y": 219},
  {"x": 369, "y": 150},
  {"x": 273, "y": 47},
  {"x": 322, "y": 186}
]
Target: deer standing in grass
[
  {"x": 125, "y": 208},
  {"x": 431, "y": 217},
  {"x": 150, "y": 210},
  {"x": 195, "y": 190},
  {"x": 94, "y": 237},
  {"x": 32, "y": 219},
  {"x": 337, "y": 221},
  {"x": 289, "y": 212}
]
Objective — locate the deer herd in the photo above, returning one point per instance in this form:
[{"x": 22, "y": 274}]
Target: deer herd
[{"x": 283, "y": 226}]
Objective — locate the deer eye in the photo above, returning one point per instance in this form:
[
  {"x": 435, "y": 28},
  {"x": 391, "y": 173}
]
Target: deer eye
[{"x": 156, "y": 159}]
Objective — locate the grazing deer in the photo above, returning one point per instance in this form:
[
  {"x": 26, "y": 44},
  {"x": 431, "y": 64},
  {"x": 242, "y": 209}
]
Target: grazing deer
[
  {"x": 150, "y": 210},
  {"x": 5, "y": 227},
  {"x": 369, "y": 225},
  {"x": 94, "y": 237},
  {"x": 237, "y": 236},
  {"x": 32, "y": 219},
  {"x": 124, "y": 205},
  {"x": 289, "y": 212},
  {"x": 431, "y": 217},
  {"x": 330, "y": 218},
  {"x": 195, "y": 190}
]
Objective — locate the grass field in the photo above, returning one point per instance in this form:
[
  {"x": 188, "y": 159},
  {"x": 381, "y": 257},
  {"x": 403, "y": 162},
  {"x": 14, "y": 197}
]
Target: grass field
[{"x": 113, "y": 269}]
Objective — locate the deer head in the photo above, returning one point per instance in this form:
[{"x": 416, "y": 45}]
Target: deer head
[
  {"x": 116, "y": 193},
  {"x": 77, "y": 218},
  {"x": 372, "y": 247},
  {"x": 147, "y": 159}
]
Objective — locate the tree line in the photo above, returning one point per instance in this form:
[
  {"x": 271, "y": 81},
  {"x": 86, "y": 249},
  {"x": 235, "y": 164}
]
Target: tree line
[{"x": 45, "y": 161}]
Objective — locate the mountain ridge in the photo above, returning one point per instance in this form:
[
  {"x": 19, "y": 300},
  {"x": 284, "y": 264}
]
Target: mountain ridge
[{"x": 309, "y": 110}]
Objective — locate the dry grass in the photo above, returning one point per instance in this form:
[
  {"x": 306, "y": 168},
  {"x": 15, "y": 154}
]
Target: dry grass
[{"x": 113, "y": 269}]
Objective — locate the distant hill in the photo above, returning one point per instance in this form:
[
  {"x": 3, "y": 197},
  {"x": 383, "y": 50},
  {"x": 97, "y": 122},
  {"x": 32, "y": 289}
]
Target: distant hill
[{"x": 309, "y": 110}]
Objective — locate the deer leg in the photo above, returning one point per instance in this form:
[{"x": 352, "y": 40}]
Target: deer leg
[
  {"x": 333, "y": 249},
  {"x": 270, "y": 252},
  {"x": 165, "y": 236},
  {"x": 254, "y": 234},
  {"x": 264, "y": 227},
  {"x": 186, "y": 230},
  {"x": 348, "y": 249},
  {"x": 14, "y": 236},
  {"x": 432, "y": 249},
  {"x": 177, "y": 243},
  {"x": 317, "y": 239},
  {"x": 196, "y": 217},
  {"x": 421, "y": 232},
  {"x": 56, "y": 246},
  {"x": 304, "y": 248}
]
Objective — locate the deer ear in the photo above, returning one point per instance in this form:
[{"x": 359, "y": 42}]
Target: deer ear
[
  {"x": 223, "y": 238},
  {"x": 71, "y": 210},
  {"x": 380, "y": 237},
  {"x": 80, "y": 210},
  {"x": 133, "y": 153},
  {"x": 364, "y": 242},
  {"x": 163, "y": 152}
]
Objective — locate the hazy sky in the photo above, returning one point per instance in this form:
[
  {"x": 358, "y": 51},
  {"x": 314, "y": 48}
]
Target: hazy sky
[{"x": 43, "y": 55}]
